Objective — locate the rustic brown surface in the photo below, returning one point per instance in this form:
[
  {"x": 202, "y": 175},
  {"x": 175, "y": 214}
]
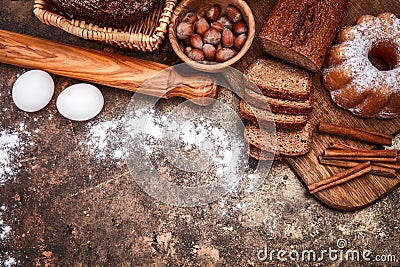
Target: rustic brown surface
[{"x": 70, "y": 203}]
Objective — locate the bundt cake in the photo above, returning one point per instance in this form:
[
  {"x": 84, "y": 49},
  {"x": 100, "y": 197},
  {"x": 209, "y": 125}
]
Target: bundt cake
[{"x": 366, "y": 89}]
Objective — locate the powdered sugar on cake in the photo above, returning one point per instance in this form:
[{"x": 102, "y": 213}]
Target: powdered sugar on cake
[{"x": 356, "y": 66}]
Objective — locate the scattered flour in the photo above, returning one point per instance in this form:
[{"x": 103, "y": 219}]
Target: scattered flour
[
  {"x": 4, "y": 229},
  {"x": 6, "y": 259},
  {"x": 104, "y": 139},
  {"x": 10, "y": 147},
  {"x": 13, "y": 142},
  {"x": 190, "y": 145},
  {"x": 10, "y": 262}
]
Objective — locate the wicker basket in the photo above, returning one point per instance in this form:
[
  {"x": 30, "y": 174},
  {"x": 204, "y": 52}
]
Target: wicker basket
[{"x": 145, "y": 35}]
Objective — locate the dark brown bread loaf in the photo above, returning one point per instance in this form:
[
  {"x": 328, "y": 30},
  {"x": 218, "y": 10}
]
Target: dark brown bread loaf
[
  {"x": 301, "y": 31},
  {"x": 283, "y": 121},
  {"x": 288, "y": 143},
  {"x": 106, "y": 12}
]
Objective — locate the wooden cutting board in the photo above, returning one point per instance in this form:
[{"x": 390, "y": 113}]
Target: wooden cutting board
[
  {"x": 363, "y": 191},
  {"x": 368, "y": 189},
  {"x": 358, "y": 193}
]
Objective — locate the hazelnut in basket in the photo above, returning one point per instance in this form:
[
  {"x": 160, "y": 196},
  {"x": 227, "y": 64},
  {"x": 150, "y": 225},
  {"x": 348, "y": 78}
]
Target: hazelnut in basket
[
  {"x": 206, "y": 34},
  {"x": 218, "y": 36}
]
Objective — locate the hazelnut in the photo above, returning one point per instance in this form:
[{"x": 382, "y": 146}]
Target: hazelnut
[
  {"x": 218, "y": 26},
  {"x": 187, "y": 50},
  {"x": 196, "y": 41},
  {"x": 190, "y": 18},
  {"x": 184, "y": 30},
  {"x": 240, "y": 27},
  {"x": 186, "y": 42},
  {"x": 225, "y": 22},
  {"x": 239, "y": 42},
  {"x": 196, "y": 54},
  {"x": 233, "y": 13},
  {"x": 212, "y": 14},
  {"x": 219, "y": 46},
  {"x": 201, "y": 26},
  {"x": 224, "y": 54},
  {"x": 209, "y": 51},
  {"x": 227, "y": 38},
  {"x": 181, "y": 46},
  {"x": 212, "y": 36}
]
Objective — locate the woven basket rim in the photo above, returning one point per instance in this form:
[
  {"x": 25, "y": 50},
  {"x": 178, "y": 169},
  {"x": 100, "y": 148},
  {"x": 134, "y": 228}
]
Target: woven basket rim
[{"x": 146, "y": 35}]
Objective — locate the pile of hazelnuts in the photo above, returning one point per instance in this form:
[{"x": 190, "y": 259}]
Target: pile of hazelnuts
[{"x": 214, "y": 36}]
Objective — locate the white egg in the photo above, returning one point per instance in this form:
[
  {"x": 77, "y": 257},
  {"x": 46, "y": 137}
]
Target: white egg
[
  {"x": 33, "y": 90},
  {"x": 80, "y": 102}
]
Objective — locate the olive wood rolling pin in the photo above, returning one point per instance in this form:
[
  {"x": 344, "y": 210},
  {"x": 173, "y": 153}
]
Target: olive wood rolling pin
[{"x": 103, "y": 68}]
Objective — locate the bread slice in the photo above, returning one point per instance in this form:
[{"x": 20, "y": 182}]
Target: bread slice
[
  {"x": 301, "y": 31},
  {"x": 279, "y": 80},
  {"x": 278, "y": 105},
  {"x": 282, "y": 121},
  {"x": 259, "y": 154},
  {"x": 289, "y": 143}
]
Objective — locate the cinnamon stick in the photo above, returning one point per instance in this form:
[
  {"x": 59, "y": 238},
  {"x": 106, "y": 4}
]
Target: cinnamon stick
[
  {"x": 344, "y": 147},
  {"x": 363, "y": 159},
  {"x": 361, "y": 153},
  {"x": 356, "y": 134},
  {"x": 387, "y": 136},
  {"x": 388, "y": 165},
  {"x": 340, "y": 178},
  {"x": 377, "y": 170},
  {"x": 382, "y": 171}
]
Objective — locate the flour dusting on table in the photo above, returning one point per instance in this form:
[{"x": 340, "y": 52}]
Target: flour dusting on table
[
  {"x": 10, "y": 148},
  {"x": 13, "y": 143},
  {"x": 5, "y": 230},
  {"x": 104, "y": 140},
  {"x": 184, "y": 146}
]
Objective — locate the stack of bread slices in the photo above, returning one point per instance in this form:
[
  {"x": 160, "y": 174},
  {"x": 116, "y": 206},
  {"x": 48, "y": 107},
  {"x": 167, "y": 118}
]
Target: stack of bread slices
[{"x": 283, "y": 93}]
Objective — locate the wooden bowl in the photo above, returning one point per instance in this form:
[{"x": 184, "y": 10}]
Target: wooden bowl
[{"x": 199, "y": 7}]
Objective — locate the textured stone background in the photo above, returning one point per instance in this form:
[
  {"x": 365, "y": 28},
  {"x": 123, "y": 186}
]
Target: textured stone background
[{"x": 70, "y": 201}]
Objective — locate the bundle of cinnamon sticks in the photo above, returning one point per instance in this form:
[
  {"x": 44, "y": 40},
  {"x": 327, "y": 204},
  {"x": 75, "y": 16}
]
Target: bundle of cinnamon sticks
[{"x": 358, "y": 161}]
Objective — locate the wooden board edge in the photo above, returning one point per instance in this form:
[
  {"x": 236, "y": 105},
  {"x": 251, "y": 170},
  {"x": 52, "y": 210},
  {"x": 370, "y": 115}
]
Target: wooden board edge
[{"x": 330, "y": 204}]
